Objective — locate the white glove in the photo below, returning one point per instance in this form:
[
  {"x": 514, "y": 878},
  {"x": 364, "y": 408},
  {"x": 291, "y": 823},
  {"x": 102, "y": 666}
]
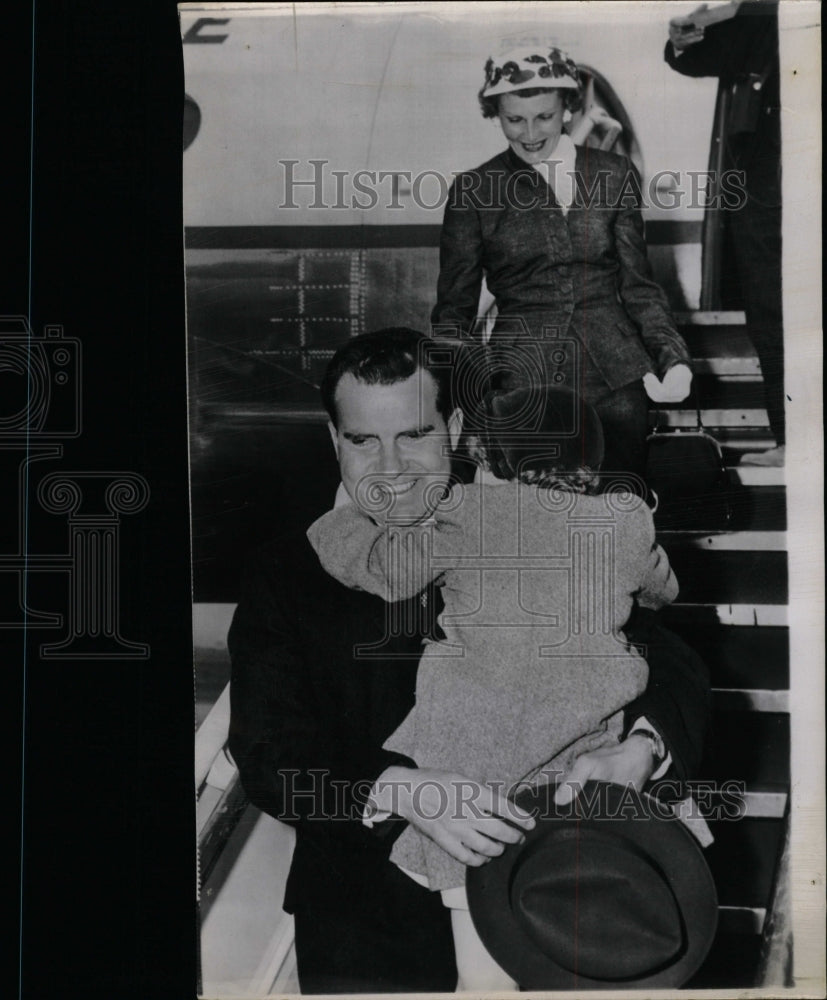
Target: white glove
[{"x": 673, "y": 388}]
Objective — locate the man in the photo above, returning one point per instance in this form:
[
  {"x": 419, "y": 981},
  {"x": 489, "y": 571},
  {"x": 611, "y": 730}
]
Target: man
[
  {"x": 322, "y": 675},
  {"x": 742, "y": 51}
]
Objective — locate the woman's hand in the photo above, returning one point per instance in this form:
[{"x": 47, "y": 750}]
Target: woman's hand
[{"x": 674, "y": 387}]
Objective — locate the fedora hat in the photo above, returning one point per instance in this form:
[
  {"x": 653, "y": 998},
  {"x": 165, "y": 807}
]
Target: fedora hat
[{"x": 608, "y": 892}]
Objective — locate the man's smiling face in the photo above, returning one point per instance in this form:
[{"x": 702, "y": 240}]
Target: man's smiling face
[{"x": 393, "y": 446}]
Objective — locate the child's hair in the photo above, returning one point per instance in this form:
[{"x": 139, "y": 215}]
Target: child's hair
[{"x": 543, "y": 436}]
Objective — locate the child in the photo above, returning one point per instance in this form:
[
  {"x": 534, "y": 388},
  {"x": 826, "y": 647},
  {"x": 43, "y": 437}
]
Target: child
[{"x": 538, "y": 575}]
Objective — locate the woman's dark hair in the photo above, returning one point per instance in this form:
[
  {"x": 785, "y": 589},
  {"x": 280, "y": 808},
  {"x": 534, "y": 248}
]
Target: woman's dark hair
[
  {"x": 384, "y": 357},
  {"x": 543, "y": 436},
  {"x": 490, "y": 106}
]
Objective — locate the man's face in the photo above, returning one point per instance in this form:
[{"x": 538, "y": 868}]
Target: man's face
[{"x": 393, "y": 446}]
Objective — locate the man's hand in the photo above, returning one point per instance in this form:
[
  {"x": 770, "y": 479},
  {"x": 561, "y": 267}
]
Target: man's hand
[
  {"x": 683, "y": 32},
  {"x": 459, "y": 814},
  {"x": 628, "y": 763},
  {"x": 674, "y": 387}
]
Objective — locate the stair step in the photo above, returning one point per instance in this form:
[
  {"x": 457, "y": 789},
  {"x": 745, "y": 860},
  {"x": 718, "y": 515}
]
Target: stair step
[
  {"x": 725, "y": 367},
  {"x": 718, "y": 342},
  {"x": 702, "y": 317},
  {"x": 734, "y": 955},
  {"x": 756, "y": 475},
  {"x": 735, "y": 417},
  {"x": 740, "y": 577},
  {"x": 731, "y": 541},
  {"x": 731, "y": 804},
  {"x": 729, "y": 392},
  {"x": 752, "y": 747},
  {"x": 750, "y": 509},
  {"x": 735, "y": 441},
  {"x": 741, "y": 919},
  {"x": 743, "y": 859},
  {"x": 739, "y": 658},
  {"x": 761, "y": 509},
  {"x": 701, "y": 613},
  {"x": 764, "y": 805},
  {"x": 750, "y": 700}
]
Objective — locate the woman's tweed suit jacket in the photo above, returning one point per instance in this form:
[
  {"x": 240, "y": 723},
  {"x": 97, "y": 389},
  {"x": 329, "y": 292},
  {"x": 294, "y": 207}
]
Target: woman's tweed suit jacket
[
  {"x": 534, "y": 669},
  {"x": 582, "y": 275}
]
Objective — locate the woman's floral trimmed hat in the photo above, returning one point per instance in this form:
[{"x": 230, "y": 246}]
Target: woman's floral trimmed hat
[{"x": 525, "y": 68}]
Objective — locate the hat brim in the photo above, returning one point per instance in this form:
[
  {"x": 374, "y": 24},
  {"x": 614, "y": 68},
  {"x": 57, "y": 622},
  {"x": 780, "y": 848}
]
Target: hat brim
[
  {"x": 667, "y": 842},
  {"x": 540, "y": 83}
]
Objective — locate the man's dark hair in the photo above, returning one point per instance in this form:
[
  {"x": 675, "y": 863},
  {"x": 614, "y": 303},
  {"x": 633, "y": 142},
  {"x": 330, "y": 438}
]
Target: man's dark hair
[{"x": 393, "y": 355}]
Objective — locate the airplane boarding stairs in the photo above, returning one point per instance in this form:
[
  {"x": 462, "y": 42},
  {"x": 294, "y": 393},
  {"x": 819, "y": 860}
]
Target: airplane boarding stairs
[{"x": 732, "y": 608}]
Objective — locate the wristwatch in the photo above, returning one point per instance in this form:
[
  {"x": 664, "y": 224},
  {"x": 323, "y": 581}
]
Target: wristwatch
[{"x": 655, "y": 742}]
